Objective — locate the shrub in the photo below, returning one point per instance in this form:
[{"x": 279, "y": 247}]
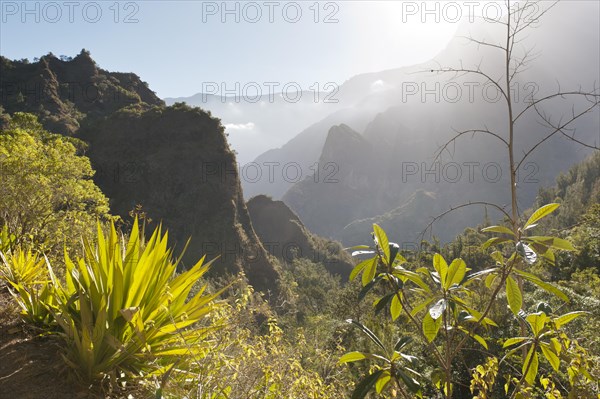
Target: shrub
[
  {"x": 123, "y": 307},
  {"x": 28, "y": 282}
]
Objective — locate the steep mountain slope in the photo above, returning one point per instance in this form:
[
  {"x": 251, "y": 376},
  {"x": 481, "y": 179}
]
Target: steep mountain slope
[
  {"x": 433, "y": 105},
  {"x": 399, "y": 151},
  {"x": 285, "y": 237},
  {"x": 63, "y": 93},
  {"x": 172, "y": 161}
]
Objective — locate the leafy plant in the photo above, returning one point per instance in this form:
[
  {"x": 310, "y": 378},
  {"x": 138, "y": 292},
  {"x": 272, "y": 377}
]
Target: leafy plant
[
  {"x": 28, "y": 282},
  {"x": 395, "y": 366},
  {"x": 125, "y": 308},
  {"x": 445, "y": 305},
  {"x": 47, "y": 196},
  {"x": 441, "y": 306},
  {"x": 544, "y": 339},
  {"x": 7, "y": 240}
]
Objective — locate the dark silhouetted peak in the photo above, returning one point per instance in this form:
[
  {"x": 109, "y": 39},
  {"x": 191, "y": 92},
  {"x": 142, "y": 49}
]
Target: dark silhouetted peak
[
  {"x": 343, "y": 143},
  {"x": 285, "y": 237}
]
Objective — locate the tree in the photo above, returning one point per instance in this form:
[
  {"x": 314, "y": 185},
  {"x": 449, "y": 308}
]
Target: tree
[
  {"x": 447, "y": 306},
  {"x": 47, "y": 197}
]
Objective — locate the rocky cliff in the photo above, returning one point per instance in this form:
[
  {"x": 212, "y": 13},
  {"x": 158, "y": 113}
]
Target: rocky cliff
[
  {"x": 285, "y": 237},
  {"x": 174, "y": 162},
  {"x": 64, "y": 92}
]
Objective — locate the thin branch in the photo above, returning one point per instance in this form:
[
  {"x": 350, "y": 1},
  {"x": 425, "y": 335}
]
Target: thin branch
[
  {"x": 459, "y": 72},
  {"x": 535, "y": 19},
  {"x": 523, "y": 62},
  {"x": 452, "y": 209},
  {"x": 470, "y": 131},
  {"x": 557, "y": 129},
  {"x": 481, "y": 42},
  {"x": 560, "y": 94}
]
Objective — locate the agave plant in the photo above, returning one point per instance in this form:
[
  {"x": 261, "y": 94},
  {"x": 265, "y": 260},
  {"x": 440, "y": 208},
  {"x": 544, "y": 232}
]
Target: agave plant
[
  {"x": 124, "y": 307},
  {"x": 28, "y": 282}
]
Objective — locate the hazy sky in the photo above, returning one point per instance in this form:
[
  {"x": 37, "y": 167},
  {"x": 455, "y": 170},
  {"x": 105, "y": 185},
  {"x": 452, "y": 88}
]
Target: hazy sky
[{"x": 176, "y": 46}]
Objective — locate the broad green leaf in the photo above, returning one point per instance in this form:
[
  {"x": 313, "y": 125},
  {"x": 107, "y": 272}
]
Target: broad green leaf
[
  {"x": 365, "y": 290},
  {"x": 383, "y": 242},
  {"x": 497, "y": 256},
  {"x": 471, "y": 278},
  {"x": 353, "y": 357},
  {"x": 362, "y": 388},
  {"x": 494, "y": 241},
  {"x": 567, "y": 318},
  {"x": 382, "y": 381},
  {"x": 357, "y": 247},
  {"x": 369, "y": 272},
  {"x": 476, "y": 337},
  {"x": 382, "y": 302},
  {"x": 559, "y": 243},
  {"x": 541, "y": 213},
  {"x": 481, "y": 340},
  {"x": 419, "y": 306},
  {"x": 478, "y": 316},
  {"x": 556, "y": 345},
  {"x": 404, "y": 274},
  {"x": 553, "y": 242},
  {"x": 412, "y": 384},
  {"x": 550, "y": 355},
  {"x": 440, "y": 265},
  {"x": 549, "y": 256},
  {"x": 368, "y": 333},
  {"x": 409, "y": 358},
  {"x": 513, "y": 295},
  {"x": 489, "y": 280},
  {"x": 498, "y": 229},
  {"x": 395, "y": 307},
  {"x": 514, "y": 341},
  {"x": 456, "y": 273},
  {"x": 431, "y": 327},
  {"x": 530, "y": 366},
  {"x": 402, "y": 342},
  {"x": 360, "y": 267},
  {"x": 542, "y": 284},
  {"x": 537, "y": 321}
]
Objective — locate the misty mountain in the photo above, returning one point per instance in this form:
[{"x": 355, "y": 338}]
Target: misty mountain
[
  {"x": 285, "y": 237},
  {"x": 266, "y": 119},
  {"x": 397, "y": 167},
  {"x": 434, "y": 96}
]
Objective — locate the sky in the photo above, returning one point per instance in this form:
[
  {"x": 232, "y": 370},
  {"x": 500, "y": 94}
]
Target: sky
[{"x": 181, "y": 47}]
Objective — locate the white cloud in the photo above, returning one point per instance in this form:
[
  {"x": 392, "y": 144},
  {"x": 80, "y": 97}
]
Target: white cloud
[
  {"x": 240, "y": 126},
  {"x": 379, "y": 85}
]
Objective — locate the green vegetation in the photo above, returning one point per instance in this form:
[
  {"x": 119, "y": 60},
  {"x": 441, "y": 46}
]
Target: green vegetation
[
  {"x": 509, "y": 310},
  {"x": 47, "y": 197},
  {"x": 449, "y": 307},
  {"x": 127, "y": 318},
  {"x": 496, "y": 321}
]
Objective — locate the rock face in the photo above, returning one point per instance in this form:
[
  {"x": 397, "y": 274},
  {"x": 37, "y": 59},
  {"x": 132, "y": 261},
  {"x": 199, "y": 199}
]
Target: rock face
[
  {"x": 343, "y": 191},
  {"x": 174, "y": 162},
  {"x": 285, "y": 237},
  {"x": 64, "y": 92}
]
